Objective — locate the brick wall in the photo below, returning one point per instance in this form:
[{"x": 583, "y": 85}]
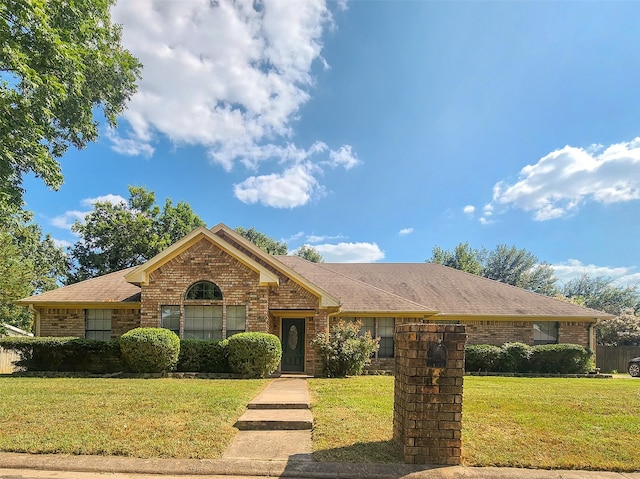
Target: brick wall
[
  {"x": 581, "y": 333},
  {"x": 123, "y": 320},
  {"x": 205, "y": 261},
  {"x": 62, "y": 322},
  {"x": 427, "y": 409},
  {"x": 500, "y": 332}
]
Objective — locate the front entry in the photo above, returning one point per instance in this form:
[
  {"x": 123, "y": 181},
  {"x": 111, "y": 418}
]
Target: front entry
[{"x": 293, "y": 337}]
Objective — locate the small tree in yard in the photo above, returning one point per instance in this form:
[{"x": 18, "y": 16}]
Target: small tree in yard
[{"x": 345, "y": 352}]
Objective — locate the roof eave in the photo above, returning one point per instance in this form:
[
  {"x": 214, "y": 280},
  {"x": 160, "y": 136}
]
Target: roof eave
[{"x": 526, "y": 317}]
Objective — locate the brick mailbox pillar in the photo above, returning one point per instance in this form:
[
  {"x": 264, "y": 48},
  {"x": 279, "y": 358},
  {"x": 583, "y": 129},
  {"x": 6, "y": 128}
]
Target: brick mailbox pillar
[{"x": 427, "y": 407}]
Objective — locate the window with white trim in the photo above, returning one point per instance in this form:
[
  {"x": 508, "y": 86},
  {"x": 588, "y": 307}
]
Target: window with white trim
[
  {"x": 386, "y": 331},
  {"x": 202, "y": 322},
  {"x": 383, "y": 328},
  {"x": 203, "y": 290},
  {"x": 236, "y": 320},
  {"x": 545, "y": 332},
  {"x": 170, "y": 318},
  {"x": 98, "y": 324}
]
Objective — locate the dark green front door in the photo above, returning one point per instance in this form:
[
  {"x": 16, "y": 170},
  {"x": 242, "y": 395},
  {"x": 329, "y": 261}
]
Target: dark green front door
[{"x": 292, "y": 345}]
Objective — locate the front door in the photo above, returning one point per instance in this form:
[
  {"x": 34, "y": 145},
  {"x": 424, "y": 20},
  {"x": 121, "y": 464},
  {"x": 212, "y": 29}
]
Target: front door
[{"x": 292, "y": 345}]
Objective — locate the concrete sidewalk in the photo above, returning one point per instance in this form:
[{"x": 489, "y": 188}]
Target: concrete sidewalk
[{"x": 275, "y": 441}]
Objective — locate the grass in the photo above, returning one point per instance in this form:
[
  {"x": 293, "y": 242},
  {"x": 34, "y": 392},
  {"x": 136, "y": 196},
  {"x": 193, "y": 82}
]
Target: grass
[
  {"x": 125, "y": 417},
  {"x": 515, "y": 422}
]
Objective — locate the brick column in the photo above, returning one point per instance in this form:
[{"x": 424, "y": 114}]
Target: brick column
[{"x": 427, "y": 409}]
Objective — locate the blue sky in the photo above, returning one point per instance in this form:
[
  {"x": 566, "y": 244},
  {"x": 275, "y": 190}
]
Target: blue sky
[{"x": 376, "y": 130}]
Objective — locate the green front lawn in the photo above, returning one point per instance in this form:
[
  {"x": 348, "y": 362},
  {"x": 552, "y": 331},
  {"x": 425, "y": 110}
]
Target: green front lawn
[
  {"x": 127, "y": 417},
  {"x": 517, "y": 422}
]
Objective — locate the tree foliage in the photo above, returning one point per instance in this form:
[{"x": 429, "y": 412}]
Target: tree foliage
[
  {"x": 623, "y": 330},
  {"x": 600, "y": 293},
  {"x": 310, "y": 254},
  {"x": 263, "y": 241},
  {"x": 463, "y": 257},
  {"x": 30, "y": 263},
  {"x": 118, "y": 236},
  {"x": 59, "y": 62},
  {"x": 507, "y": 264}
]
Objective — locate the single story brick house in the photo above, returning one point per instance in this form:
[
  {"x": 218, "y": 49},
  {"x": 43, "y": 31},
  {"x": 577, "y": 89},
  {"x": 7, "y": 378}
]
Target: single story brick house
[{"x": 213, "y": 283}]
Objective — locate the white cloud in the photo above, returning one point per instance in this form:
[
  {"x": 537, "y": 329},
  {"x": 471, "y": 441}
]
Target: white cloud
[
  {"x": 294, "y": 187},
  {"x": 129, "y": 146},
  {"x": 230, "y": 76},
  {"x": 469, "y": 209},
  {"x": 65, "y": 221},
  {"x": 344, "y": 157},
  {"x": 350, "y": 252},
  {"x": 405, "y": 231},
  {"x": 572, "y": 268},
  {"x": 319, "y": 238},
  {"x": 487, "y": 213},
  {"x": 64, "y": 244},
  {"x": 564, "y": 179},
  {"x": 113, "y": 199}
]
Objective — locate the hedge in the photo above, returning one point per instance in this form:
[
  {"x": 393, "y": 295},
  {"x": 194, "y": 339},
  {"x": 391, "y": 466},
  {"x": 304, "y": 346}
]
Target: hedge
[
  {"x": 204, "y": 356},
  {"x": 65, "y": 354},
  {"x": 521, "y": 358}
]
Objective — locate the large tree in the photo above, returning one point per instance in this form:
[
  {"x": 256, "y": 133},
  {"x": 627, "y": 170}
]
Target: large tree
[
  {"x": 60, "y": 61},
  {"x": 263, "y": 241},
  {"x": 310, "y": 254},
  {"x": 600, "y": 293},
  {"x": 30, "y": 263},
  {"x": 507, "y": 264},
  {"x": 120, "y": 235},
  {"x": 463, "y": 257}
]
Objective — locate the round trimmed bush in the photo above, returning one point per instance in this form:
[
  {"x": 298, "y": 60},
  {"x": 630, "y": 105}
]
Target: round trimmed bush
[
  {"x": 150, "y": 350},
  {"x": 254, "y": 355}
]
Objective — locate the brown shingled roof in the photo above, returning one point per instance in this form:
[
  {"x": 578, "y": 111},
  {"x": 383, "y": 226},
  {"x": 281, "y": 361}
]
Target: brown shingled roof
[
  {"x": 110, "y": 288},
  {"x": 436, "y": 287}
]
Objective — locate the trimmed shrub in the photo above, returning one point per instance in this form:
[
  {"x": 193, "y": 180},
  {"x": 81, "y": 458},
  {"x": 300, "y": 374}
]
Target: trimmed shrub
[
  {"x": 482, "y": 357},
  {"x": 254, "y": 355},
  {"x": 561, "y": 359},
  {"x": 150, "y": 350},
  {"x": 345, "y": 352},
  {"x": 514, "y": 357},
  {"x": 65, "y": 354},
  {"x": 204, "y": 356}
]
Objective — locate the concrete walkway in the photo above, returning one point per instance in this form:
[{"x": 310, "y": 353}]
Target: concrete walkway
[{"x": 277, "y": 424}]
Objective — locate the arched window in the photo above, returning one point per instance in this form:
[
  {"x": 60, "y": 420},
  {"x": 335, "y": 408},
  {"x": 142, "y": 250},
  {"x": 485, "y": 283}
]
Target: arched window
[{"x": 203, "y": 290}]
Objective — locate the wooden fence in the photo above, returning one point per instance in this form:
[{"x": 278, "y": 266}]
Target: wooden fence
[
  {"x": 615, "y": 358},
  {"x": 6, "y": 361}
]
